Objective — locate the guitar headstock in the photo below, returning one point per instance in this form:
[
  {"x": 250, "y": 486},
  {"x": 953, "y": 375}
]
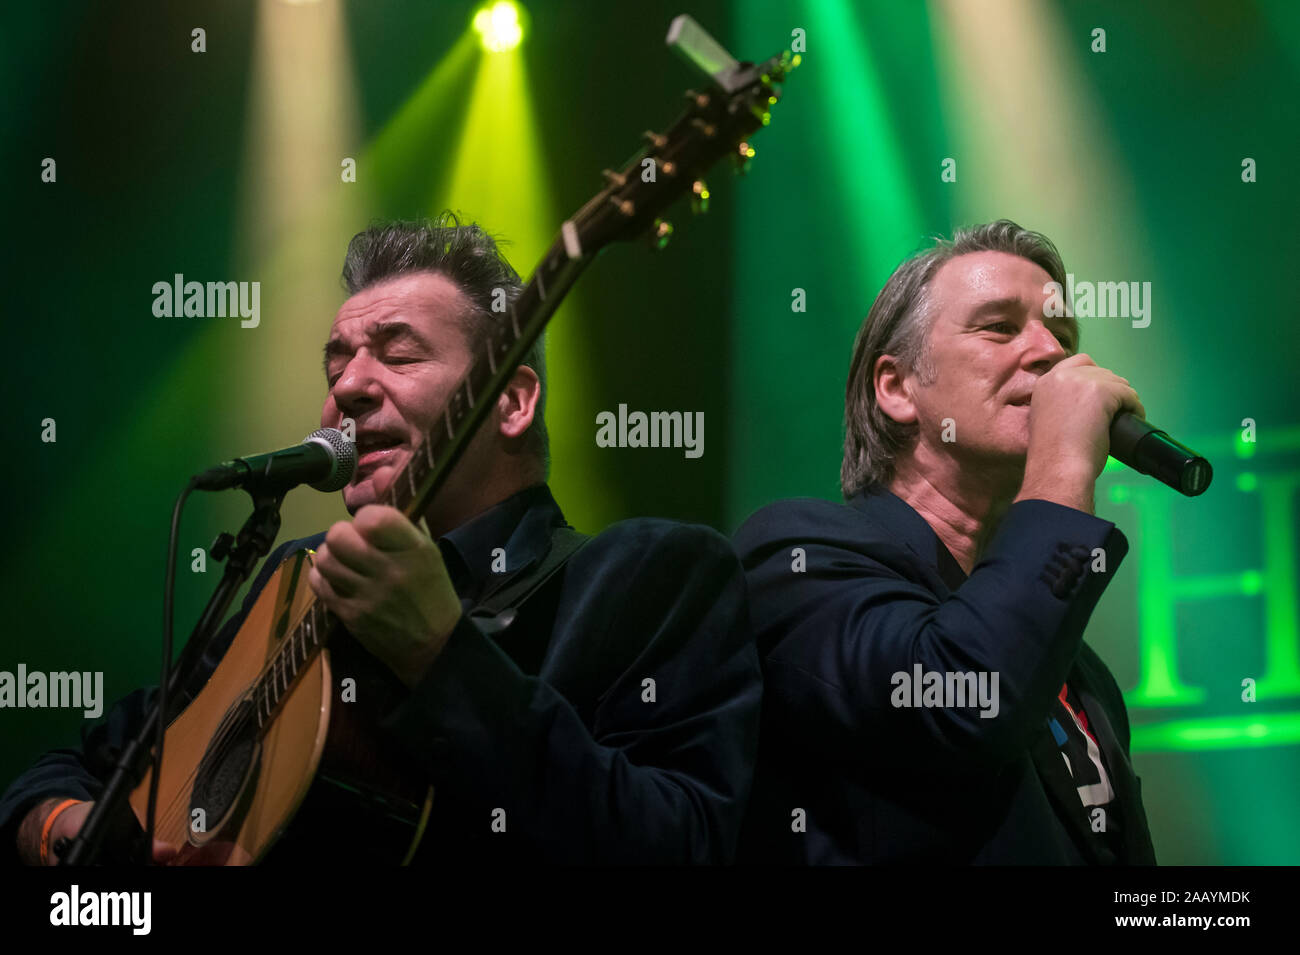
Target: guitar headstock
[{"x": 718, "y": 122}]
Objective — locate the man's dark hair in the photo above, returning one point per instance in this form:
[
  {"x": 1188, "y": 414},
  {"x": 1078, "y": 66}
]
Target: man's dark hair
[
  {"x": 466, "y": 254},
  {"x": 899, "y": 324}
]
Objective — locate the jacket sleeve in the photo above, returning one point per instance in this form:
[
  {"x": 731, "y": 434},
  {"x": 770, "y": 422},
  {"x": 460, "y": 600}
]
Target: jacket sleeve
[
  {"x": 652, "y": 640},
  {"x": 843, "y": 638},
  {"x": 79, "y": 772}
]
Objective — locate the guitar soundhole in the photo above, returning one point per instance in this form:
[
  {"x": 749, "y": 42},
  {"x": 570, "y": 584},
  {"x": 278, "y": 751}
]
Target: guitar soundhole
[{"x": 222, "y": 782}]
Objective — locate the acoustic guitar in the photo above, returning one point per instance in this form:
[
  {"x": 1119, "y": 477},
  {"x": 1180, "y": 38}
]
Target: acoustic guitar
[{"x": 269, "y": 739}]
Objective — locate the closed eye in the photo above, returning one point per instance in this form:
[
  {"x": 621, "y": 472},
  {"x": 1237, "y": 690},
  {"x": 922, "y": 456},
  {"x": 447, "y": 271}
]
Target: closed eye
[{"x": 330, "y": 380}]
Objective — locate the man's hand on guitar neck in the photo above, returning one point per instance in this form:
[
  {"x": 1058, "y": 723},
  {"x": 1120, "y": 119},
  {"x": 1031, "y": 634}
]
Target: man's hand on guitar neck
[{"x": 385, "y": 580}]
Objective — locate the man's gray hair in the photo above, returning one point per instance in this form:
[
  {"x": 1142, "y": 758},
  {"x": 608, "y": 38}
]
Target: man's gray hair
[
  {"x": 466, "y": 254},
  {"x": 899, "y": 324}
]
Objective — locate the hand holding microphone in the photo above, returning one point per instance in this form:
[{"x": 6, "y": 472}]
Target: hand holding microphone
[
  {"x": 1148, "y": 450},
  {"x": 1080, "y": 413}
]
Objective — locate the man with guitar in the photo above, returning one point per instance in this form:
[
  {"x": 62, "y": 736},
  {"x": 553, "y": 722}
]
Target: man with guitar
[{"x": 569, "y": 700}]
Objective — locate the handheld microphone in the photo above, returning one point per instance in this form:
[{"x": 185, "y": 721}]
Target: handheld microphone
[
  {"x": 1149, "y": 450},
  {"x": 326, "y": 460}
]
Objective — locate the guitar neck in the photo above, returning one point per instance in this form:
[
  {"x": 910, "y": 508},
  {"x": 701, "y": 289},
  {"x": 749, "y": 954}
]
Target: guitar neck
[{"x": 473, "y": 399}]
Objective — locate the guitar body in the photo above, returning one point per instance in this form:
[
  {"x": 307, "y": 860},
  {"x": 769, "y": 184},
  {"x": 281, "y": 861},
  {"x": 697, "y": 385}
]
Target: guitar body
[{"x": 230, "y": 788}]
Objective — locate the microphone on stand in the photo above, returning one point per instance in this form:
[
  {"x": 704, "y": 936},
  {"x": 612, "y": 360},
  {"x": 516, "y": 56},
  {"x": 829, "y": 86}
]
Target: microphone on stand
[{"x": 326, "y": 460}]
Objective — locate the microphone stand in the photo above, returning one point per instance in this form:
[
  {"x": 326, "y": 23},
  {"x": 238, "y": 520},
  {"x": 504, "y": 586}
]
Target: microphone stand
[{"x": 245, "y": 550}]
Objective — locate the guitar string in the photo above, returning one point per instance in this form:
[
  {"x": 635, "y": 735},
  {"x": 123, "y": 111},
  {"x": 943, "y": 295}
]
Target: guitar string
[{"x": 178, "y": 808}]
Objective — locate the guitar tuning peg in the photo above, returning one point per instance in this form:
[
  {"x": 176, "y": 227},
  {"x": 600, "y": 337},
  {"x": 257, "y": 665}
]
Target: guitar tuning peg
[
  {"x": 706, "y": 129},
  {"x": 657, "y": 140},
  {"x": 699, "y": 196},
  {"x": 741, "y": 157},
  {"x": 700, "y": 100},
  {"x": 660, "y": 233},
  {"x": 614, "y": 178}
]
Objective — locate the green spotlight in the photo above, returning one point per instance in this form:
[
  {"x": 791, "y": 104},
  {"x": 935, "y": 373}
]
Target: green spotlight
[{"x": 499, "y": 26}]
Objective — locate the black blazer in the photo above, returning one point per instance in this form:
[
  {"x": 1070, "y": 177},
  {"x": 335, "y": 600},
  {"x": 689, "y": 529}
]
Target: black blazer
[
  {"x": 552, "y": 719},
  {"x": 843, "y": 597}
]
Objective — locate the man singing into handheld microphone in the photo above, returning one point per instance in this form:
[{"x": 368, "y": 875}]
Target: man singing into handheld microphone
[{"x": 928, "y": 695}]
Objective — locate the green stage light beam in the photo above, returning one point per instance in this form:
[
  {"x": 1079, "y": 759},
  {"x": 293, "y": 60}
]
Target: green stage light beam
[
  {"x": 500, "y": 179},
  {"x": 835, "y": 136},
  {"x": 871, "y": 175},
  {"x": 299, "y": 206},
  {"x": 410, "y": 158},
  {"x": 1040, "y": 152}
]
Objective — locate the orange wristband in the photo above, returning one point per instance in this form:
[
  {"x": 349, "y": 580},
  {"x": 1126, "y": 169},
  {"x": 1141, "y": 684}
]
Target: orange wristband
[{"x": 49, "y": 823}]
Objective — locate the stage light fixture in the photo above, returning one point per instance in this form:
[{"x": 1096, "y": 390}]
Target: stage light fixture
[{"x": 500, "y": 26}]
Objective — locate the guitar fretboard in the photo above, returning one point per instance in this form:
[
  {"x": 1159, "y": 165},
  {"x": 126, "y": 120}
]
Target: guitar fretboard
[
  {"x": 502, "y": 351},
  {"x": 295, "y": 652}
]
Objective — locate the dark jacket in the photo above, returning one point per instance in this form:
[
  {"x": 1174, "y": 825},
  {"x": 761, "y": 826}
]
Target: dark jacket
[
  {"x": 550, "y": 719},
  {"x": 842, "y": 598}
]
